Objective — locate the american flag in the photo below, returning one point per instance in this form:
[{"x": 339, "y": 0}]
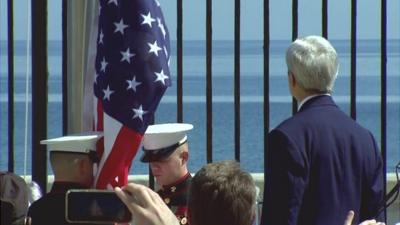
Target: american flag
[{"x": 132, "y": 74}]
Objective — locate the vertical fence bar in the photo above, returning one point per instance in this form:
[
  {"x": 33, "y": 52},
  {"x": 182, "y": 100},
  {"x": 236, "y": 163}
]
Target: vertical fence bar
[
  {"x": 295, "y": 23},
  {"x": 353, "y": 64},
  {"x": 295, "y": 19},
  {"x": 64, "y": 68},
  {"x": 237, "y": 80},
  {"x": 325, "y": 18},
  {"x": 209, "y": 78},
  {"x": 383, "y": 90},
  {"x": 266, "y": 101},
  {"x": 10, "y": 24},
  {"x": 39, "y": 92},
  {"x": 179, "y": 65}
]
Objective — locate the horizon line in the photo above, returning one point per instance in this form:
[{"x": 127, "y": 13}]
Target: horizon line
[
  {"x": 54, "y": 98},
  {"x": 279, "y": 39}
]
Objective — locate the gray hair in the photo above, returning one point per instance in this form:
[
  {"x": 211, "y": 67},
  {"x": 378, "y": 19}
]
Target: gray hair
[{"x": 314, "y": 63}]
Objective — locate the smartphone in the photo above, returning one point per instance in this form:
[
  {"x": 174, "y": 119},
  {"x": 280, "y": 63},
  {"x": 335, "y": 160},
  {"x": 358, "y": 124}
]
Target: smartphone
[{"x": 95, "y": 206}]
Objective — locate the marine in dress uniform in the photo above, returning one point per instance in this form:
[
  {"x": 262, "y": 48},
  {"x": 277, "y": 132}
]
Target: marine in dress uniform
[
  {"x": 50, "y": 209},
  {"x": 165, "y": 147}
]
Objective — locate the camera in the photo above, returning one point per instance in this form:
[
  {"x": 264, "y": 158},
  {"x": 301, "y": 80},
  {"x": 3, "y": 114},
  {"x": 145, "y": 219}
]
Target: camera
[{"x": 95, "y": 206}]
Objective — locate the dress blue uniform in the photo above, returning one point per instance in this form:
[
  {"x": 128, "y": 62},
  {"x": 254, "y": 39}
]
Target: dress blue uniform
[
  {"x": 50, "y": 209},
  {"x": 320, "y": 165},
  {"x": 176, "y": 197}
]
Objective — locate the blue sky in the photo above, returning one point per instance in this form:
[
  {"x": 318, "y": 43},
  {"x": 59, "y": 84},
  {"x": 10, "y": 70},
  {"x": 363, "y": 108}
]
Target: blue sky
[{"x": 252, "y": 27}]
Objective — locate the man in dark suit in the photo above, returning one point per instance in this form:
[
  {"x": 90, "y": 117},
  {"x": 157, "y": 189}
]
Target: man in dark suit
[
  {"x": 320, "y": 162},
  {"x": 72, "y": 159}
]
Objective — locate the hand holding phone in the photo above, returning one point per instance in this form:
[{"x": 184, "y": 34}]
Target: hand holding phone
[
  {"x": 146, "y": 206},
  {"x": 95, "y": 206}
]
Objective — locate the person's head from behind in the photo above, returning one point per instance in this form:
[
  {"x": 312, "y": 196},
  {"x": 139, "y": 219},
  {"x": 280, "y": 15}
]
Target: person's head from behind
[
  {"x": 222, "y": 194},
  {"x": 72, "y": 167},
  {"x": 166, "y": 149},
  {"x": 312, "y": 65},
  {"x": 13, "y": 199},
  {"x": 72, "y": 157}
]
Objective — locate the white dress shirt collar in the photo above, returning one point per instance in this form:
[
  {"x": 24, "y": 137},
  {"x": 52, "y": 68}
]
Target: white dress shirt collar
[{"x": 308, "y": 98}]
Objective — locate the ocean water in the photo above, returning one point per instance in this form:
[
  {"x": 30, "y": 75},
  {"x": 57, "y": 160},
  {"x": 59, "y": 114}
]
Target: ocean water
[{"x": 194, "y": 104}]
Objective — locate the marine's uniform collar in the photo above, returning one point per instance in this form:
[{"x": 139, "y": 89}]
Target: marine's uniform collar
[
  {"x": 178, "y": 185},
  {"x": 175, "y": 196}
]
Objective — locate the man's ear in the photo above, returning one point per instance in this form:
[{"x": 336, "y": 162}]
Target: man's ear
[
  {"x": 83, "y": 165},
  {"x": 184, "y": 156},
  {"x": 292, "y": 79}
]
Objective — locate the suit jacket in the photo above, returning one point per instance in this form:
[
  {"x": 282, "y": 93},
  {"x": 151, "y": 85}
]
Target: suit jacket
[{"x": 320, "y": 165}]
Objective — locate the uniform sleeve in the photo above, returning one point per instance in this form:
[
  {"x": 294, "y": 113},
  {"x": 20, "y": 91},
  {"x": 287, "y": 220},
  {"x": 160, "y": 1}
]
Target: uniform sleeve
[{"x": 285, "y": 181}]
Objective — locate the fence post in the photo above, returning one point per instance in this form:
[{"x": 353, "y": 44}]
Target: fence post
[{"x": 39, "y": 92}]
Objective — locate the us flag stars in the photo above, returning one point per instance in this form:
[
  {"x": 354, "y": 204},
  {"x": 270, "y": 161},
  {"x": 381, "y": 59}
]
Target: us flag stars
[
  {"x": 113, "y": 1},
  {"x": 161, "y": 26},
  {"x": 101, "y": 36},
  {"x": 132, "y": 75},
  {"x": 147, "y": 19},
  {"x": 161, "y": 77},
  {"x": 107, "y": 93},
  {"x": 103, "y": 65},
  {"x": 131, "y": 42},
  {"x": 120, "y": 26},
  {"x": 132, "y": 84},
  {"x": 126, "y": 56},
  {"x": 139, "y": 112},
  {"x": 154, "y": 48}
]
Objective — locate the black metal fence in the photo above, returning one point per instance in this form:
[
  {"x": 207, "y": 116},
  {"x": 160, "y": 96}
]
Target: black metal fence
[{"x": 40, "y": 71}]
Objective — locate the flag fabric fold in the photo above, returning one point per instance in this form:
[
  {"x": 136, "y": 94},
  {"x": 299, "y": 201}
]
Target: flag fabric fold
[{"x": 132, "y": 74}]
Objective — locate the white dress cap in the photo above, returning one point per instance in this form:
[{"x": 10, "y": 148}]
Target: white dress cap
[
  {"x": 79, "y": 143},
  {"x": 165, "y": 135}
]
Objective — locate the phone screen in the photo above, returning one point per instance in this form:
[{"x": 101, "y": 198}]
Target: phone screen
[{"x": 98, "y": 206}]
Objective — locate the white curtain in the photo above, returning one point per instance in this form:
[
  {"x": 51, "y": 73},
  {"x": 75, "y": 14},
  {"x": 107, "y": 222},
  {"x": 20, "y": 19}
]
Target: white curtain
[{"x": 82, "y": 19}]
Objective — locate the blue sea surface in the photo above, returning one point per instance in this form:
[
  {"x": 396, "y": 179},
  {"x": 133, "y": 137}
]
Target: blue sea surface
[{"x": 251, "y": 93}]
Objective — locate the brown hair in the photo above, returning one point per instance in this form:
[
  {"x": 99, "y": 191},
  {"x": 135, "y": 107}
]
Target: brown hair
[{"x": 222, "y": 194}]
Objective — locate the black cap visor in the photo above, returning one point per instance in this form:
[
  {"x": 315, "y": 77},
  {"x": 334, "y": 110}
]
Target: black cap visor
[{"x": 159, "y": 154}]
